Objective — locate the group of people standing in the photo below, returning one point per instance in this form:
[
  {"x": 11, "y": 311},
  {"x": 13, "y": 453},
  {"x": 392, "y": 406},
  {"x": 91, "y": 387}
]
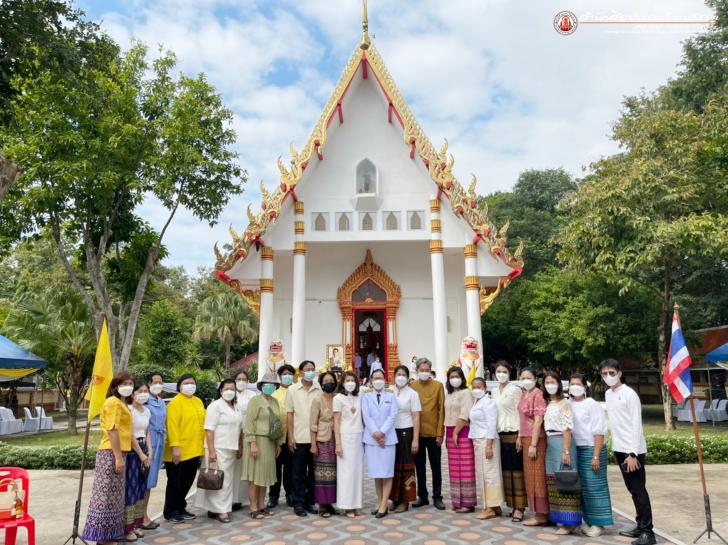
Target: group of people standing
[{"x": 313, "y": 437}]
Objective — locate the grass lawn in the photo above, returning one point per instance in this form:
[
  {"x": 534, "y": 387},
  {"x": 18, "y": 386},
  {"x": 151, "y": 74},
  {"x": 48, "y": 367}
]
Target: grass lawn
[
  {"x": 653, "y": 422},
  {"x": 50, "y": 438}
]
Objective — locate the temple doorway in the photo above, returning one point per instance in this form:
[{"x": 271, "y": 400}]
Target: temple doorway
[{"x": 370, "y": 338}]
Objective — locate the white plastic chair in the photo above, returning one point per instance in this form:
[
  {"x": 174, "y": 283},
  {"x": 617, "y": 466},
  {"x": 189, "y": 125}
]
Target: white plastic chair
[
  {"x": 32, "y": 423},
  {"x": 46, "y": 422},
  {"x": 720, "y": 414},
  {"x": 684, "y": 415},
  {"x": 713, "y": 407},
  {"x": 676, "y": 408},
  {"x": 11, "y": 424}
]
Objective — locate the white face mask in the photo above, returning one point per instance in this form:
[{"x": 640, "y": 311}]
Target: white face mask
[
  {"x": 552, "y": 388},
  {"x": 241, "y": 385},
  {"x": 528, "y": 383},
  {"x": 228, "y": 395},
  {"x": 610, "y": 380},
  {"x": 378, "y": 384},
  {"x": 477, "y": 394},
  {"x": 142, "y": 398},
  {"x": 189, "y": 389},
  {"x": 309, "y": 376},
  {"x": 502, "y": 377},
  {"x": 125, "y": 391},
  {"x": 576, "y": 391},
  {"x": 156, "y": 389},
  {"x": 424, "y": 376},
  {"x": 455, "y": 382},
  {"x": 401, "y": 381},
  {"x": 350, "y": 386}
]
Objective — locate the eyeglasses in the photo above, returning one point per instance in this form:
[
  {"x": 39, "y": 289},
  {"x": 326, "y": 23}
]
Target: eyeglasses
[{"x": 609, "y": 373}]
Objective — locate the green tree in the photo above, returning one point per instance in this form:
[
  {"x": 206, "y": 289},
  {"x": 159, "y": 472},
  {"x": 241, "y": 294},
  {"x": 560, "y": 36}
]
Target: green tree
[
  {"x": 167, "y": 336},
  {"x": 94, "y": 145},
  {"x": 227, "y": 318},
  {"x": 56, "y": 325}
]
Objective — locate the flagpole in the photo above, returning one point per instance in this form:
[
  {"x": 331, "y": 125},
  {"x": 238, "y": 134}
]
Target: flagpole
[{"x": 77, "y": 509}]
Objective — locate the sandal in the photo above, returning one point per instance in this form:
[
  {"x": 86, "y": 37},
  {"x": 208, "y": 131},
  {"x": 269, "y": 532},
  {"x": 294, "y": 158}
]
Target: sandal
[
  {"x": 223, "y": 518},
  {"x": 564, "y": 531},
  {"x": 267, "y": 512},
  {"x": 130, "y": 539},
  {"x": 351, "y": 514},
  {"x": 535, "y": 522},
  {"x": 138, "y": 533},
  {"x": 325, "y": 514},
  {"x": 486, "y": 514},
  {"x": 257, "y": 515},
  {"x": 518, "y": 517}
]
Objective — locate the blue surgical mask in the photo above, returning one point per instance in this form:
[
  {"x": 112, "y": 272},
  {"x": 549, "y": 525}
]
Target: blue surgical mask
[
  {"x": 310, "y": 375},
  {"x": 287, "y": 380},
  {"x": 268, "y": 389}
]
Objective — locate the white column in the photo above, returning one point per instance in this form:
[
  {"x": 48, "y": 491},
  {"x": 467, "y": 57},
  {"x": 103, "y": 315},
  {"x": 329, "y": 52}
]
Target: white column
[
  {"x": 265, "y": 333},
  {"x": 298, "y": 313},
  {"x": 472, "y": 295},
  {"x": 439, "y": 299}
]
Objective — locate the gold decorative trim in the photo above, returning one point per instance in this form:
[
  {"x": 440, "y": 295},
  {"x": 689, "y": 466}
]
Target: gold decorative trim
[
  {"x": 298, "y": 227},
  {"x": 472, "y": 283},
  {"x": 470, "y": 251},
  {"x": 266, "y": 285},
  {"x": 435, "y": 205},
  {"x": 435, "y": 225},
  {"x": 252, "y": 299},
  {"x": 266, "y": 252},
  {"x": 298, "y": 208},
  {"x": 436, "y": 246},
  {"x": 488, "y": 295},
  {"x": 299, "y": 248}
]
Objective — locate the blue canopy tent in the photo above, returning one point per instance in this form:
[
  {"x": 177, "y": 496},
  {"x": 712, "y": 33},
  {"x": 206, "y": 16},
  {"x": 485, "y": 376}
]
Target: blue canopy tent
[
  {"x": 17, "y": 362},
  {"x": 718, "y": 355}
]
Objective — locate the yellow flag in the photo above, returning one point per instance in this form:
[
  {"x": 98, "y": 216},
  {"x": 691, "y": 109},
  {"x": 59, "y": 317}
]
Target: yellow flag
[{"x": 101, "y": 375}]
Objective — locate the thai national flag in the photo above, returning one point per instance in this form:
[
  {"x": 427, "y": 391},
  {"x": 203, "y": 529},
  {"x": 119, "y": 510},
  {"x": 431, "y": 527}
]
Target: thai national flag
[{"x": 677, "y": 367}]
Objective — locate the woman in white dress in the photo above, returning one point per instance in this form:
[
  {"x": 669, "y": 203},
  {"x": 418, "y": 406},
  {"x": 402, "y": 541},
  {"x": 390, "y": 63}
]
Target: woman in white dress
[
  {"x": 242, "y": 398},
  {"x": 224, "y": 448},
  {"x": 486, "y": 444},
  {"x": 348, "y": 428},
  {"x": 407, "y": 427}
]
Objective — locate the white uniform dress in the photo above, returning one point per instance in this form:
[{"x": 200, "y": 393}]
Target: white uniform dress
[
  {"x": 240, "y": 492},
  {"x": 350, "y": 466},
  {"x": 225, "y": 422}
]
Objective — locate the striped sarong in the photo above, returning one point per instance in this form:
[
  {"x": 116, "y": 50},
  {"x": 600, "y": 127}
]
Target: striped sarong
[
  {"x": 514, "y": 488},
  {"x": 324, "y": 473},
  {"x": 404, "y": 484},
  {"x": 564, "y": 507},
  {"x": 105, "y": 519},
  {"x": 461, "y": 463},
  {"x": 595, "y": 500},
  {"x": 534, "y": 475}
]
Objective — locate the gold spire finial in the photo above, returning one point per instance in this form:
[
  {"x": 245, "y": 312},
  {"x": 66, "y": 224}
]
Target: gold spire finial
[{"x": 365, "y": 41}]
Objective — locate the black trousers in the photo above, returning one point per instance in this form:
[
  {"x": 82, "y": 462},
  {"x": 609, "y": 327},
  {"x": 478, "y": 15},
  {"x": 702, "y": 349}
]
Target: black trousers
[
  {"x": 429, "y": 449},
  {"x": 635, "y": 482},
  {"x": 302, "y": 475},
  {"x": 284, "y": 472},
  {"x": 180, "y": 478}
]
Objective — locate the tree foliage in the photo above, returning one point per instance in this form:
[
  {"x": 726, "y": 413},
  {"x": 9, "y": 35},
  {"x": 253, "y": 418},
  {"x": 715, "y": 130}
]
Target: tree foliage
[{"x": 167, "y": 339}]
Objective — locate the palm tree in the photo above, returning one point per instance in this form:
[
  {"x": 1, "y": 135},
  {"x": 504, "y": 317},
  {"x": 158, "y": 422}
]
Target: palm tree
[
  {"x": 56, "y": 325},
  {"x": 226, "y": 317}
]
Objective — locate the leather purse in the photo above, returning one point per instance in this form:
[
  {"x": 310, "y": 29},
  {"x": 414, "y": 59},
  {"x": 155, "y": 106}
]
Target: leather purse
[
  {"x": 210, "y": 478},
  {"x": 567, "y": 479}
]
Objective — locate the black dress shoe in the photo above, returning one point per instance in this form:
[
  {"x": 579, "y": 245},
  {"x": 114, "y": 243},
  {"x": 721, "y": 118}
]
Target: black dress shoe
[
  {"x": 381, "y": 515},
  {"x": 237, "y": 506},
  {"x": 634, "y": 532},
  {"x": 272, "y": 503},
  {"x": 289, "y": 501},
  {"x": 438, "y": 504},
  {"x": 420, "y": 502},
  {"x": 300, "y": 511},
  {"x": 646, "y": 538},
  {"x": 310, "y": 509}
]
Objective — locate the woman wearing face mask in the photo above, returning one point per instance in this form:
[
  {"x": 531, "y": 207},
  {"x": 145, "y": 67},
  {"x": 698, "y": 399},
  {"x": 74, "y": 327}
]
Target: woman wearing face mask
[
  {"x": 184, "y": 447},
  {"x": 590, "y": 429},
  {"x": 506, "y": 397},
  {"x": 531, "y": 410},
  {"x": 486, "y": 445},
  {"x": 138, "y": 461},
  {"x": 565, "y": 507},
  {"x": 224, "y": 437},
  {"x": 105, "y": 519},
  {"x": 460, "y": 455},
  {"x": 407, "y": 427},
  {"x": 263, "y": 437},
  {"x": 379, "y": 412},
  {"x": 243, "y": 395},
  {"x": 323, "y": 445},
  {"x": 157, "y": 431},
  {"x": 348, "y": 428}
]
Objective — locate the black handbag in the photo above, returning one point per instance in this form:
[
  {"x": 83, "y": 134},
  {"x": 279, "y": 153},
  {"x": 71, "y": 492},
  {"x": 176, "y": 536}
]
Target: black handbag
[
  {"x": 211, "y": 478},
  {"x": 567, "y": 479}
]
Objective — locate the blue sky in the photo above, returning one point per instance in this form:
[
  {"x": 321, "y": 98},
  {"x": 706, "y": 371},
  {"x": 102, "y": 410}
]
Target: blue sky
[{"x": 491, "y": 76}]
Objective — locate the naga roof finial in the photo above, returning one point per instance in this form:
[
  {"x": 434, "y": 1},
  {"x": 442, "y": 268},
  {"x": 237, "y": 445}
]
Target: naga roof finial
[{"x": 365, "y": 41}]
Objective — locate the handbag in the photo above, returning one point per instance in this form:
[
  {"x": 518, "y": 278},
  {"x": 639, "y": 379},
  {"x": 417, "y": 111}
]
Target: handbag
[
  {"x": 275, "y": 428},
  {"x": 11, "y": 502},
  {"x": 567, "y": 479},
  {"x": 211, "y": 478}
]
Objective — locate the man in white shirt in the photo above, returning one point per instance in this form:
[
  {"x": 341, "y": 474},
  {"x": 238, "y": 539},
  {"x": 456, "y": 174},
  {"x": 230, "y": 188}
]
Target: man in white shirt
[{"x": 628, "y": 443}]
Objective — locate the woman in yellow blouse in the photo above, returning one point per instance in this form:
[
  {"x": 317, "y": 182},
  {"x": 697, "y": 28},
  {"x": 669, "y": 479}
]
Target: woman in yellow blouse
[
  {"x": 105, "y": 521},
  {"x": 183, "y": 447}
]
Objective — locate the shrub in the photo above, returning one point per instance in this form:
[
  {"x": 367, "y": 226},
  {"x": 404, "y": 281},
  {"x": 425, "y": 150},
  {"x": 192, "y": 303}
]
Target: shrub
[
  {"x": 142, "y": 371},
  {"x": 674, "y": 449},
  {"x": 60, "y": 457}
]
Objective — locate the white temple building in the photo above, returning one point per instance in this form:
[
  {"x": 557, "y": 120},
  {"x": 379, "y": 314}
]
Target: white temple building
[{"x": 368, "y": 244}]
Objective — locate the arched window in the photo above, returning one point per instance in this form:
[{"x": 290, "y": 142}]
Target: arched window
[
  {"x": 415, "y": 221},
  {"x": 366, "y": 177},
  {"x": 369, "y": 291},
  {"x": 392, "y": 222},
  {"x": 370, "y": 323},
  {"x": 319, "y": 223},
  {"x": 344, "y": 224},
  {"x": 367, "y": 222}
]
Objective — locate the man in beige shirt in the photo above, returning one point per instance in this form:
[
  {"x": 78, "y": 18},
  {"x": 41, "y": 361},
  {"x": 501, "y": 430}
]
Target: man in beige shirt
[{"x": 299, "y": 398}]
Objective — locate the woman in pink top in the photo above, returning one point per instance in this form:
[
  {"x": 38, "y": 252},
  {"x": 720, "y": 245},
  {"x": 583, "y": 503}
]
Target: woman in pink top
[{"x": 532, "y": 437}]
